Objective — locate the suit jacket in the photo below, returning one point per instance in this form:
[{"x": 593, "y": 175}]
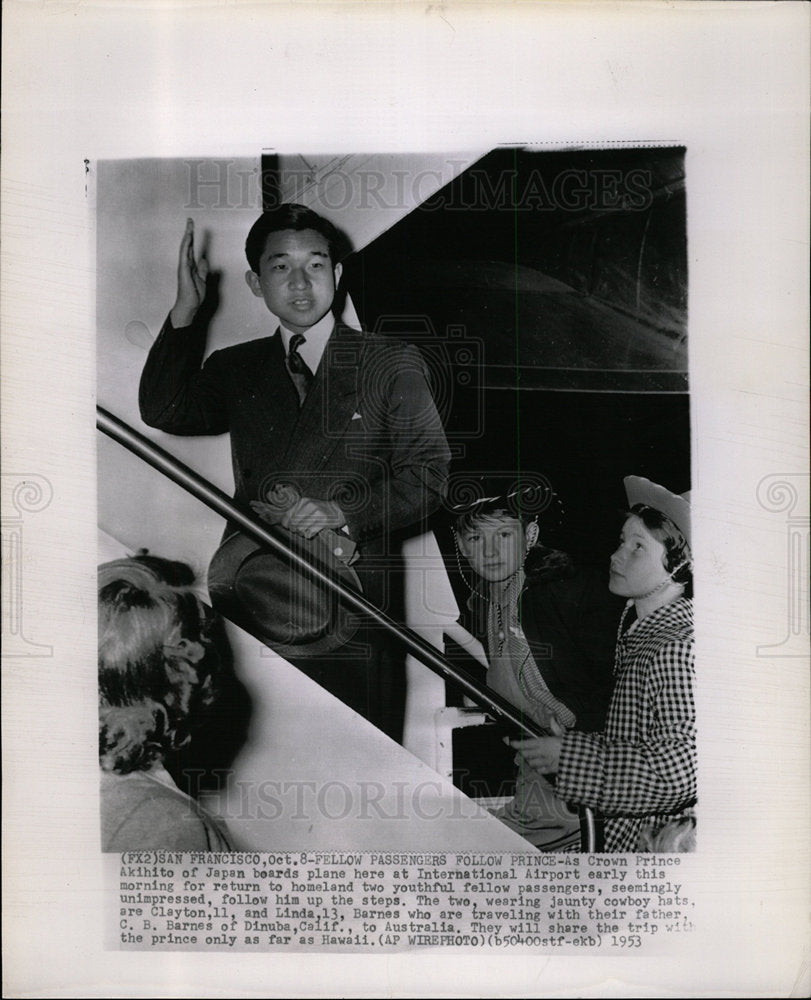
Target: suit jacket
[{"x": 368, "y": 436}]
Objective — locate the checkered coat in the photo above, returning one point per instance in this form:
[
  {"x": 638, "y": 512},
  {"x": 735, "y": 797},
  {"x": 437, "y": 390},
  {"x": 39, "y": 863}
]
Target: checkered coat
[{"x": 641, "y": 770}]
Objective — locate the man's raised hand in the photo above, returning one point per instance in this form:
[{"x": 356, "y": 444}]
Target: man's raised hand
[{"x": 191, "y": 281}]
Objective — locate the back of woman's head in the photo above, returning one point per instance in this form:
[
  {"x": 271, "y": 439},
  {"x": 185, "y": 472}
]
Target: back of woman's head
[{"x": 157, "y": 664}]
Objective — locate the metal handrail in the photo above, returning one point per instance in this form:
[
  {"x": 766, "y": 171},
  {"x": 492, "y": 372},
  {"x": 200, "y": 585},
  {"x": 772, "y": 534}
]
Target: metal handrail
[{"x": 222, "y": 504}]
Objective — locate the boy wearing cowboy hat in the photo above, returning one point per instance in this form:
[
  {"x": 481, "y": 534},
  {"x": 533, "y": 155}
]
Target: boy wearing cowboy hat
[{"x": 550, "y": 628}]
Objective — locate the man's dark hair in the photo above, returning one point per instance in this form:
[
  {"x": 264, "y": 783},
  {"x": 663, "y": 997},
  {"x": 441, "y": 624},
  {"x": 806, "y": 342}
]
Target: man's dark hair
[{"x": 297, "y": 218}]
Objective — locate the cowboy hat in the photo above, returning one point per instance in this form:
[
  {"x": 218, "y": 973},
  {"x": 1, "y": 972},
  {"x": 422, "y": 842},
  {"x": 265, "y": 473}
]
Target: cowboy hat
[
  {"x": 677, "y": 508},
  {"x": 481, "y": 496}
]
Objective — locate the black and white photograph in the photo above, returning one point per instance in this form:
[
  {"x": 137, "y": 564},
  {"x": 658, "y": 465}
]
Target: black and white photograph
[
  {"x": 413, "y": 422},
  {"x": 497, "y": 378}
]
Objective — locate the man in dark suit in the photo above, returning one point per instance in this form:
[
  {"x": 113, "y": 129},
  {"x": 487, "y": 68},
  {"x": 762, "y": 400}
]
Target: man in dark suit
[{"x": 343, "y": 420}]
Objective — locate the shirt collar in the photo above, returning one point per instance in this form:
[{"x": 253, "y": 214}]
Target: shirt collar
[
  {"x": 316, "y": 339},
  {"x": 678, "y": 612}
]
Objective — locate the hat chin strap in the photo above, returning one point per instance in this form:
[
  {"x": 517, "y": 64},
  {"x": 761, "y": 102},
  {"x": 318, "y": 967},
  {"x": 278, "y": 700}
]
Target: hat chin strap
[
  {"x": 656, "y": 589},
  {"x": 668, "y": 579}
]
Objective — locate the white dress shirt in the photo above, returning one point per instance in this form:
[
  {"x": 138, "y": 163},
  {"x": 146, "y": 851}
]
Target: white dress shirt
[{"x": 315, "y": 340}]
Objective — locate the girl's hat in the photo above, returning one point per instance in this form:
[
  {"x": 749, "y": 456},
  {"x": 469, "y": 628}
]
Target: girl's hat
[{"x": 673, "y": 506}]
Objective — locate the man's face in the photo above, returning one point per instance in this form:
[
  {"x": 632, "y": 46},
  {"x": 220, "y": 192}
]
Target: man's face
[
  {"x": 296, "y": 278},
  {"x": 638, "y": 565},
  {"x": 494, "y": 547}
]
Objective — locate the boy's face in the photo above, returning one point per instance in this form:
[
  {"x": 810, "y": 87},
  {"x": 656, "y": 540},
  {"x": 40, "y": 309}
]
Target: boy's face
[
  {"x": 296, "y": 278},
  {"x": 494, "y": 546}
]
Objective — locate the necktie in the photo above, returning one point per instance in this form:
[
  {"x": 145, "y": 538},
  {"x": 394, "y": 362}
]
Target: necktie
[{"x": 297, "y": 368}]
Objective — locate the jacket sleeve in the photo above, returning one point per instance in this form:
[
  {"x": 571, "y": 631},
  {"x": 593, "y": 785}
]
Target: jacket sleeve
[
  {"x": 416, "y": 472},
  {"x": 657, "y": 772},
  {"x": 178, "y": 393}
]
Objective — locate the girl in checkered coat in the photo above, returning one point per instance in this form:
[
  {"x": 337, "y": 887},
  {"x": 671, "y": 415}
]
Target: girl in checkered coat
[{"x": 640, "y": 772}]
